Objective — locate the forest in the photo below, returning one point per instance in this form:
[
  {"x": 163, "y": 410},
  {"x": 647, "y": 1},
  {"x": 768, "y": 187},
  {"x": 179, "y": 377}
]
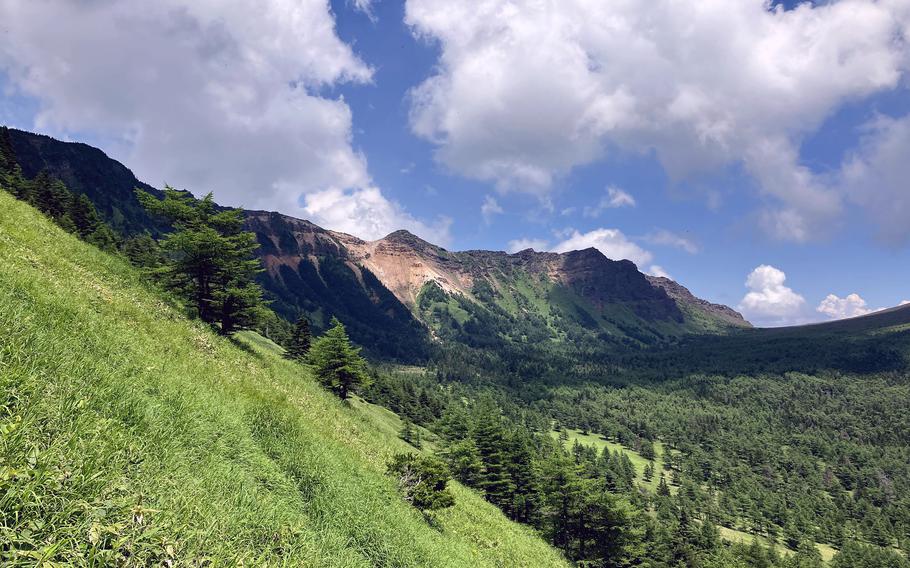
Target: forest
[{"x": 784, "y": 449}]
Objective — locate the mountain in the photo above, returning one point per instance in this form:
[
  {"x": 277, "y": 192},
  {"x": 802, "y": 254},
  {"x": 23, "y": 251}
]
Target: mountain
[
  {"x": 397, "y": 293},
  {"x": 131, "y": 436},
  {"x": 84, "y": 169}
]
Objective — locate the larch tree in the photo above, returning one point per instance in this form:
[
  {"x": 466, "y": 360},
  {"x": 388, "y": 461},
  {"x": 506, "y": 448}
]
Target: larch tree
[
  {"x": 301, "y": 340},
  {"x": 210, "y": 258},
  {"x": 337, "y": 363}
]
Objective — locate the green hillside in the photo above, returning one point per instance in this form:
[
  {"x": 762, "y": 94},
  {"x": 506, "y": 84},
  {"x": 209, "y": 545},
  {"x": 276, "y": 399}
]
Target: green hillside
[{"x": 129, "y": 434}]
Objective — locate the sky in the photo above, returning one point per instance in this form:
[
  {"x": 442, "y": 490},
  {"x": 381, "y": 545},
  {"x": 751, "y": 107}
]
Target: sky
[{"x": 755, "y": 152}]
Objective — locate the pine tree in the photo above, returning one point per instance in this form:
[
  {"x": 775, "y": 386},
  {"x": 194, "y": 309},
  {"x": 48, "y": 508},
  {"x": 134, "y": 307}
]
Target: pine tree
[
  {"x": 143, "y": 251},
  {"x": 337, "y": 363},
  {"x": 300, "y": 340},
  {"x": 662, "y": 488},
  {"x": 464, "y": 461},
  {"x": 210, "y": 258},
  {"x": 410, "y": 434},
  {"x": 648, "y": 474},
  {"x": 489, "y": 436}
]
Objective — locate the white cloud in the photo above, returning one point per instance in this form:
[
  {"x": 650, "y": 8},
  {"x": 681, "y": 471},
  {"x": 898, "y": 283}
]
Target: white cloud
[
  {"x": 671, "y": 239},
  {"x": 876, "y": 177},
  {"x": 612, "y": 242},
  {"x": 204, "y": 95},
  {"x": 365, "y": 6},
  {"x": 657, "y": 270},
  {"x": 904, "y": 302},
  {"x": 369, "y": 215},
  {"x": 489, "y": 208},
  {"x": 769, "y": 301},
  {"x": 839, "y": 308},
  {"x": 522, "y": 244},
  {"x": 527, "y": 90},
  {"x": 614, "y": 199}
]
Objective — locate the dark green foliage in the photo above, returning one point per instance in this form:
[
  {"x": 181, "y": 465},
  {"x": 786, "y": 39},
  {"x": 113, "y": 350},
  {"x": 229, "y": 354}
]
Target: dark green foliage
[
  {"x": 73, "y": 212},
  {"x": 337, "y": 363},
  {"x": 489, "y": 435},
  {"x": 410, "y": 434},
  {"x": 300, "y": 341},
  {"x": 855, "y": 555},
  {"x": 209, "y": 258},
  {"x": 423, "y": 481},
  {"x": 144, "y": 251},
  {"x": 87, "y": 171},
  {"x": 464, "y": 462}
]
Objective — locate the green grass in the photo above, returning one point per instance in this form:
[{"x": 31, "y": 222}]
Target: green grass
[
  {"x": 131, "y": 435},
  {"x": 637, "y": 460},
  {"x": 733, "y": 535}
]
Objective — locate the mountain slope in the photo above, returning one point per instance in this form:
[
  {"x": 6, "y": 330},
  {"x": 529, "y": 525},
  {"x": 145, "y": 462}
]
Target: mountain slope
[
  {"x": 129, "y": 434},
  {"x": 375, "y": 287},
  {"x": 84, "y": 169},
  {"x": 559, "y": 292},
  {"x": 874, "y": 343}
]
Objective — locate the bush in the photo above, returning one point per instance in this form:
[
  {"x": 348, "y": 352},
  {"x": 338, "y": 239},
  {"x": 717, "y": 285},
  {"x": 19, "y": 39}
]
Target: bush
[{"x": 423, "y": 481}]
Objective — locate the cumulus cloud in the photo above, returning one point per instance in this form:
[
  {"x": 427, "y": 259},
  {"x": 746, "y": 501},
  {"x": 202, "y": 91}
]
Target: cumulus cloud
[
  {"x": 204, "y": 95},
  {"x": 614, "y": 199},
  {"x": 851, "y": 306},
  {"x": 657, "y": 270},
  {"x": 671, "y": 239},
  {"x": 489, "y": 208},
  {"x": 525, "y": 91},
  {"x": 612, "y": 242},
  {"x": 876, "y": 177},
  {"x": 769, "y": 301},
  {"x": 368, "y": 214},
  {"x": 524, "y": 243}
]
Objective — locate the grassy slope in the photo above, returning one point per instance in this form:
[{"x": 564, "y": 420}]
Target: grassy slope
[
  {"x": 637, "y": 460},
  {"x": 727, "y": 533},
  {"x": 127, "y": 430}
]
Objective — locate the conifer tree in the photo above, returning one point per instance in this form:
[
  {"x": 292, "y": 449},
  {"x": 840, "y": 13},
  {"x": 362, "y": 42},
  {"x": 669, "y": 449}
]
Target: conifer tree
[
  {"x": 210, "y": 258},
  {"x": 489, "y": 436},
  {"x": 337, "y": 363},
  {"x": 410, "y": 434},
  {"x": 662, "y": 488},
  {"x": 300, "y": 340},
  {"x": 423, "y": 481},
  {"x": 464, "y": 462}
]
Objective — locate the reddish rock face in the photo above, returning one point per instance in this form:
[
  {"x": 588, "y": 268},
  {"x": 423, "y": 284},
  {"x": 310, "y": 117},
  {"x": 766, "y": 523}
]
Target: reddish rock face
[{"x": 404, "y": 263}]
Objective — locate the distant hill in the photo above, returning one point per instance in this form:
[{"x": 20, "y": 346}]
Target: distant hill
[
  {"x": 874, "y": 343},
  {"x": 398, "y": 293}
]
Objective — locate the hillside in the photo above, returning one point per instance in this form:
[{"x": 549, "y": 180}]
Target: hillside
[
  {"x": 874, "y": 343},
  {"x": 376, "y": 285},
  {"x": 129, "y": 435}
]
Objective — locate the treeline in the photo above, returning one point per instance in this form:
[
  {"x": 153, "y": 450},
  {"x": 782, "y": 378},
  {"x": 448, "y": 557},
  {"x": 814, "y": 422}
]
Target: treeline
[
  {"x": 786, "y": 457},
  {"x": 74, "y": 213},
  {"x": 761, "y": 455},
  {"x": 206, "y": 261}
]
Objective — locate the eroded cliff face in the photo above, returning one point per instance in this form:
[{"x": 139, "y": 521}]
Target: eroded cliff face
[
  {"x": 404, "y": 263},
  {"x": 682, "y": 295}
]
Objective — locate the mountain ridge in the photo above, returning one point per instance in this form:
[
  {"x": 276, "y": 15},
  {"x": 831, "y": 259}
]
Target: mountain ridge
[{"x": 375, "y": 286}]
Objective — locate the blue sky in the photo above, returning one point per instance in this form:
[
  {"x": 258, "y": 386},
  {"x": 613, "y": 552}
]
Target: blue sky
[{"x": 714, "y": 142}]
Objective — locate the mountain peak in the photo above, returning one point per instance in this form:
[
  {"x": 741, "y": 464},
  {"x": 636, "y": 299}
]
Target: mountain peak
[{"x": 403, "y": 235}]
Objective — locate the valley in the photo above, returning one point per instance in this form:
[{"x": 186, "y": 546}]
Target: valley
[{"x": 546, "y": 384}]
